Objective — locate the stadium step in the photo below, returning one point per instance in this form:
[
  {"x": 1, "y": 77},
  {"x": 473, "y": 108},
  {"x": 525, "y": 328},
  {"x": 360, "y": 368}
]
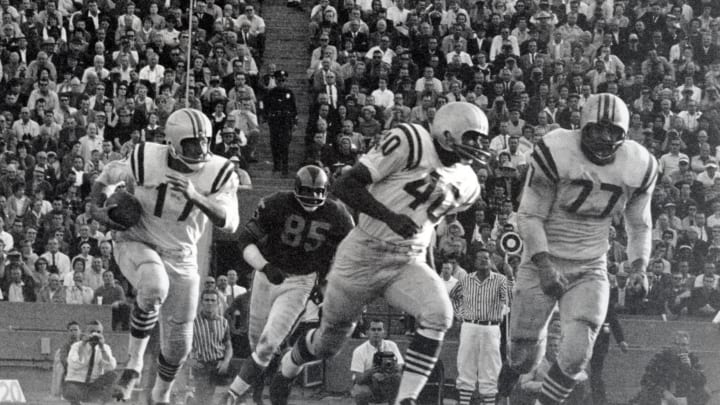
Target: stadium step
[{"x": 286, "y": 46}]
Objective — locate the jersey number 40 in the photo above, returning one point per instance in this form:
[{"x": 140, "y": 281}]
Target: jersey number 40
[{"x": 422, "y": 189}]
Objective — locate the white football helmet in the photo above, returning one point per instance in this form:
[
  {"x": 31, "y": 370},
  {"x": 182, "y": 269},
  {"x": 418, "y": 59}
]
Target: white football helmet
[
  {"x": 458, "y": 126},
  {"x": 188, "y": 123},
  {"x": 604, "y": 120},
  {"x": 311, "y": 187}
]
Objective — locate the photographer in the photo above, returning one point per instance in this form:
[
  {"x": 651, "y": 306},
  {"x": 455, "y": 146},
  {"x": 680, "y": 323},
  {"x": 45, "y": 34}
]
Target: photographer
[
  {"x": 376, "y": 366},
  {"x": 90, "y": 366}
]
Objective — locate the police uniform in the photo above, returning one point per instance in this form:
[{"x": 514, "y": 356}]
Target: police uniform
[
  {"x": 278, "y": 108},
  {"x": 576, "y": 199}
]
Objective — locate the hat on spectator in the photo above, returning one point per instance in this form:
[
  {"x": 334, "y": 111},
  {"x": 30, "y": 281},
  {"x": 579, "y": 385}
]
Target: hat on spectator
[
  {"x": 49, "y": 41},
  {"x": 633, "y": 36},
  {"x": 74, "y": 81},
  {"x": 684, "y": 247},
  {"x": 369, "y": 108},
  {"x": 215, "y": 79},
  {"x": 281, "y": 74},
  {"x": 684, "y": 159},
  {"x": 711, "y": 164},
  {"x": 51, "y": 153},
  {"x": 670, "y": 205},
  {"x": 510, "y": 58},
  {"x": 543, "y": 14},
  {"x": 100, "y": 114},
  {"x": 573, "y": 95}
]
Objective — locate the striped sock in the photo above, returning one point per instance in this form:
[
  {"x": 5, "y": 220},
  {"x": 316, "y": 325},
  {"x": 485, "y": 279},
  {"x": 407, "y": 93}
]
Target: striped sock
[
  {"x": 420, "y": 359},
  {"x": 167, "y": 371},
  {"x": 556, "y": 387},
  {"x": 465, "y": 396},
  {"x": 301, "y": 351},
  {"x": 142, "y": 322},
  {"x": 487, "y": 399}
]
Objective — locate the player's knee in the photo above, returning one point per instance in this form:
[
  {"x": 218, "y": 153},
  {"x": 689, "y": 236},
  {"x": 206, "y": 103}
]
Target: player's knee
[
  {"x": 328, "y": 342},
  {"x": 153, "y": 286},
  {"x": 266, "y": 348},
  {"x": 525, "y": 355},
  {"x": 438, "y": 317},
  {"x": 178, "y": 342},
  {"x": 576, "y": 346}
]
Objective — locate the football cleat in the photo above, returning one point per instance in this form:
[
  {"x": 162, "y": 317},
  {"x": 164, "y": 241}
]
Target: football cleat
[
  {"x": 122, "y": 390},
  {"x": 408, "y": 401}
]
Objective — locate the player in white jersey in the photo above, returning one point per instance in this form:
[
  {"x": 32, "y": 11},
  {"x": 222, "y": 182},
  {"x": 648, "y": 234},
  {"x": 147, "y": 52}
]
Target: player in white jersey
[
  {"x": 577, "y": 181},
  {"x": 402, "y": 189},
  {"x": 182, "y": 189}
]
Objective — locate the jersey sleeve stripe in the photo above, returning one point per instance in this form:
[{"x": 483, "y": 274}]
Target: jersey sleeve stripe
[
  {"x": 411, "y": 146},
  {"x": 547, "y": 156},
  {"x": 141, "y": 163},
  {"x": 649, "y": 177},
  {"x": 133, "y": 162},
  {"x": 220, "y": 176},
  {"x": 418, "y": 142},
  {"x": 542, "y": 165}
]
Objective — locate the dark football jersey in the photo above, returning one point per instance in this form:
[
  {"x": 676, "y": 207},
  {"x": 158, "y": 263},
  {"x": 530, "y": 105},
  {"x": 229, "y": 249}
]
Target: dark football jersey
[{"x": 298, "y": 241}]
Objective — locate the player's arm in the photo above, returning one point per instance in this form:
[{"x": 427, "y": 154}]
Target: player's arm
[
  {"x": 221, "y": 207},
  {"x": 113, "y": 173},
  {"x": 538, "y": 197},
  {"x": 638, "y": 222},
  {"x": 393, "y": 154},
  {"x": 257, "y": 229}
]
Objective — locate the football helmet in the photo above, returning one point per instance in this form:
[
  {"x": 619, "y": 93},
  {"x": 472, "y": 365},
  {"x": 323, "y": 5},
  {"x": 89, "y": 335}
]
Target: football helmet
[
  {"x": 604, "y": 120},
  {"x": 184, "y": 124},
  {"x": 311, "y": 186},
  {"x": 457, "y": 127}
]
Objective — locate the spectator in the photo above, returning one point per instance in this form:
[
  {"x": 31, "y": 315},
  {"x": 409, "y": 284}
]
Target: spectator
[
  {"x": 16, "y": 285},
  {"x": 79, "y": 293},
  {"x": 90, "y": 368},
  {"x": 54, "y": 292},
  {"x": 673, "y": 376},
  {"x": 376, "y": 366},
  {"x": 61, "y": 356},
  {"x": 704, "y": 301},
  {"x": 480, "y": 299},
  {"x": 212, "y": 348}
]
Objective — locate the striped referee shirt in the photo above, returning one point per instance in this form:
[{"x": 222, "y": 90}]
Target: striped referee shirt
[
  {"x": 476, "y": 300},
  {"x": 211, "y": 338}
]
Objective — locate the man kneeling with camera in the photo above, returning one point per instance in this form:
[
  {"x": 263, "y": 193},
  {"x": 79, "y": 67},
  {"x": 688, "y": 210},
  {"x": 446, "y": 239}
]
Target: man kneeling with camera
[
  {"x": 90, "y": 366},
  {"x": 376, "y": 367}
]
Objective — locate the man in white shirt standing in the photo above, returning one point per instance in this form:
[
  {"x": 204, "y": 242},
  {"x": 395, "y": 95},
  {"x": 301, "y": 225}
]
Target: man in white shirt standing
[
  {"x": 383, "y": 96},
  {"x": 376, "y": 376},
  {"x": 90, "y": 368}
]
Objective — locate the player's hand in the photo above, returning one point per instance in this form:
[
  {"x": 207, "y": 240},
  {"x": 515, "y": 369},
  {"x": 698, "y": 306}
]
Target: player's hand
[
  {"x": 273, "y": 273},
  {"x": 222, "y": 367},
  {"x": 402, "y": 225},
  {"x": 101, "y": 215},
  {"x": 183, "y": 185},
  {"x": 552, "y": 282},
  {"x": 639, "y": 282}
]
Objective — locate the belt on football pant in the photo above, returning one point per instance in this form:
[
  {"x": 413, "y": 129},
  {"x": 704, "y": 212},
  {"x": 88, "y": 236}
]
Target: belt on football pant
[
  {"x": 385, "y": 247},
  {"x": 479, "y": 322}
]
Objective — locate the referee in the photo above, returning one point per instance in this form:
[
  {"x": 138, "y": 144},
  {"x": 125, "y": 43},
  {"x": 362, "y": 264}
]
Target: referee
[
  {"x": 479, "y": 298},
  {"x": 212, "y": 348}
]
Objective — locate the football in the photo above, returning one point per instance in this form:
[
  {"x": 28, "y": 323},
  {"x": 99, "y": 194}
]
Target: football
[{"x": 128, "y": 210}]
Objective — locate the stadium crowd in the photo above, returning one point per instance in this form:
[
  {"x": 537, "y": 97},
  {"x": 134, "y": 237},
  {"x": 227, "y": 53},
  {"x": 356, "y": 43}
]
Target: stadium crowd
[{"x": 84, "y": 81}]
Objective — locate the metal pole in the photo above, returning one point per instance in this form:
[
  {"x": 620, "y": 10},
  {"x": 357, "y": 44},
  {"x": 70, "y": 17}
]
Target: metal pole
[{"x": 188, "y": 67}]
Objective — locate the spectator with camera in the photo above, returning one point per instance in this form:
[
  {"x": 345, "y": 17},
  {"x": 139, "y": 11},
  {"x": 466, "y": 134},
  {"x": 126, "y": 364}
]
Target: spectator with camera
[
  {"x": 673, "y": 376},
  {"x": 90, "y": 368},
  {"x": 376, "y": 366}
]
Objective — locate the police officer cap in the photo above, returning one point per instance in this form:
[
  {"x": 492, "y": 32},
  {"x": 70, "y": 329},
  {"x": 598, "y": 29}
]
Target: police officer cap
[{"x": 280, "y": 74}]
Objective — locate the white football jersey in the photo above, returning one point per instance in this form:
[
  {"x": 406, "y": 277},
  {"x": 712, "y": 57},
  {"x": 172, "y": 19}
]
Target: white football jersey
[
  {"x": 577, "y": 199},
  {"x": 409, "y": 179},
  {"x": 169, "y": 221}
]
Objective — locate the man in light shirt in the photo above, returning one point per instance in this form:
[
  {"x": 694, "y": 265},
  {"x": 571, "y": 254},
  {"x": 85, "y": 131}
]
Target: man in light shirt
[{"x": 90, "y": 368}]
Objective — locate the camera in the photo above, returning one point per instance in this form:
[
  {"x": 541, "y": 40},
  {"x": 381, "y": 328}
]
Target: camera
[
  {"x": 94, "y": 338},
  {"x": 385, "y": 360}
]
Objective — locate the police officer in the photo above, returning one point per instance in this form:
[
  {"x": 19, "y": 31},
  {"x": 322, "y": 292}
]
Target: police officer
[{"x": 278, "y": 108}]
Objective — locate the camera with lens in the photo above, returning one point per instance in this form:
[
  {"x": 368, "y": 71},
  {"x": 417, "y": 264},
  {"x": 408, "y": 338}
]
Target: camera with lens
[
  {"x": 386, "y": 361},
  {"x": 94, "y": 338}
]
